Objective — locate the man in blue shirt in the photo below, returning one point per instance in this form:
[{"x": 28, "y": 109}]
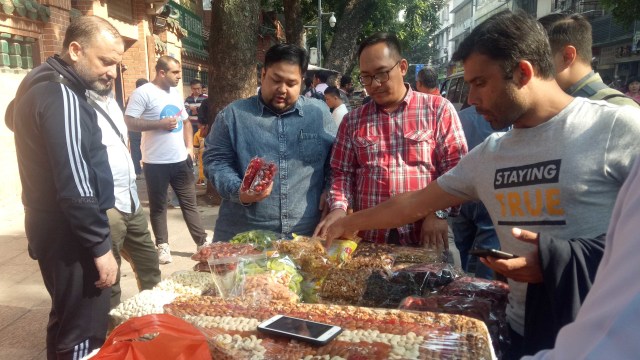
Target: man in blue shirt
[{"x": 280, "y": 126}]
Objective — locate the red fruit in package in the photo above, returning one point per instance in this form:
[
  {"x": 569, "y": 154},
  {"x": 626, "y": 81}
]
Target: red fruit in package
[{"x": 258, "y": 176}]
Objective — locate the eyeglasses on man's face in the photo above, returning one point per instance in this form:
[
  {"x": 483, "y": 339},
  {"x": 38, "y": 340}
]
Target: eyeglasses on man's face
[{"x": 380, "y": 77}]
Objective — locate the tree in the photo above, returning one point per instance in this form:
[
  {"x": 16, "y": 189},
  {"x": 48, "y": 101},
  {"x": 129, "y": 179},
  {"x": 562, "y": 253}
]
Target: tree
[
  {"x": 293, "y": 25},
  {"x": 624, "y": 11},
  {"x": 342, "y": 53},
  {"x": 358, "y": 19},
  {"x": 232, "y": 52}
]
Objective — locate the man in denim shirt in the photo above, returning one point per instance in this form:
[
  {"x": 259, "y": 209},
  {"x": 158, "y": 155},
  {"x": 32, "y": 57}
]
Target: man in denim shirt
[{"x": 277, "y": 124}]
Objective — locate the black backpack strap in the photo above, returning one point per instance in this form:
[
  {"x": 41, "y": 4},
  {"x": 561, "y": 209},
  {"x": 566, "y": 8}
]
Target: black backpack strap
[
  {"x": 106, "y": 116},
  {"x": 619, "y": 95}
]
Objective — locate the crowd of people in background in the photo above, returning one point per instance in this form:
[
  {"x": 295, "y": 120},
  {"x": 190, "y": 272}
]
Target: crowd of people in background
[{"x": 532, "y": 164}]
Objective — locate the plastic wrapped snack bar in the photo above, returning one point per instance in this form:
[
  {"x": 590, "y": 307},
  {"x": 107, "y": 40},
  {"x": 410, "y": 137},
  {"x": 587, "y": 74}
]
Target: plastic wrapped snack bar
[{"x": 368, "y": 333}]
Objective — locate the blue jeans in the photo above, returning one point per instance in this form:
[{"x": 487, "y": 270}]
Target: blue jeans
[{"x": 473, "y": 229}]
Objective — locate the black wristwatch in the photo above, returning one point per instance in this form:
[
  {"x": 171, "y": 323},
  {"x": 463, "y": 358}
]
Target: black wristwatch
[{"x": 442, "y": 214}]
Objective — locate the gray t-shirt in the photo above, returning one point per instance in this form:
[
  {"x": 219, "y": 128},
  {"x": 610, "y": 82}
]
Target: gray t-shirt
[
  {"x": 561, "y": 178},
  {"x": 149, "y": 102}
]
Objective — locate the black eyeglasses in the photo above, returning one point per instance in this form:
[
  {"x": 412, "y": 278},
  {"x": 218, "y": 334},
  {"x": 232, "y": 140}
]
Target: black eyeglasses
[{"x": 380, "y": 77}]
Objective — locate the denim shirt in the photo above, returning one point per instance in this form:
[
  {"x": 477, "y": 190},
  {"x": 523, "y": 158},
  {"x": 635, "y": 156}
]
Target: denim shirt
[{"x": 299, "y": 141}]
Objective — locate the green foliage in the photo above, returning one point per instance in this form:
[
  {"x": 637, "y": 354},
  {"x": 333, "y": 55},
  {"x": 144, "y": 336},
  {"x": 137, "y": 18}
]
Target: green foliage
[
  {"x": 415, "y": 32},
  {"x": 624, "y": 11}
]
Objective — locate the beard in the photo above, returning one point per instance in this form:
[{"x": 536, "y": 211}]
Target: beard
[{"x": 96, "y": 84}]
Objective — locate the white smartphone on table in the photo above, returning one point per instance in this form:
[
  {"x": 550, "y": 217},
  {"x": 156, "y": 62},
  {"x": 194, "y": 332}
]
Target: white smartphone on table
[{"x": 305, "y": 330}]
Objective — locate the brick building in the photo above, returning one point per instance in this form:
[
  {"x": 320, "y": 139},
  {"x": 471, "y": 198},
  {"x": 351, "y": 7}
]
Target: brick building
[{"x": 31, "y": 31}]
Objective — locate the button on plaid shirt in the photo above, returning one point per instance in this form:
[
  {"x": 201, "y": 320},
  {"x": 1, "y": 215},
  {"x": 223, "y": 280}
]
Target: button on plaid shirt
[{"x": 378, "y": 154}]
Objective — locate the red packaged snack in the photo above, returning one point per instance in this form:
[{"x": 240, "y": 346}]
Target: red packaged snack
[{"x": 258, "y": 176}]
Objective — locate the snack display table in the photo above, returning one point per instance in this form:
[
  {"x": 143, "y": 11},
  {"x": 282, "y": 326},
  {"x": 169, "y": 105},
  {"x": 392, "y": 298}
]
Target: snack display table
[{"x": 239, "y": 285}]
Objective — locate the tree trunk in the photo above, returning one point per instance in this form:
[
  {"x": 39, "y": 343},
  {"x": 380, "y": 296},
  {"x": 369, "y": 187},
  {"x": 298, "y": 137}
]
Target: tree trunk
[
  {"x": 293, "y": 25},
  {"x": 232, "y": 52},
  {"x": 344, "y": 46}
]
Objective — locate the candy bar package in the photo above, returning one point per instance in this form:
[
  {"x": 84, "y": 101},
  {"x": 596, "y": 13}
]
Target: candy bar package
[{"x": 258, "y": 175}]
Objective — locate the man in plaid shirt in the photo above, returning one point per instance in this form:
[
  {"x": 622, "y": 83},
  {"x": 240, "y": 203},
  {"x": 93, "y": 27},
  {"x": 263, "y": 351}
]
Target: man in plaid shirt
[{"x": 399, "y": 142}]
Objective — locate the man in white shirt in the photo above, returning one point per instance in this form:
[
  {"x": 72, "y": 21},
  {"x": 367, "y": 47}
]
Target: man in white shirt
[
  {"x": 157, "y": 110},
  {"x": 320, "y": 81},
  {"x": 334, "y": 101},
  {"x": 130, "y": 234}
]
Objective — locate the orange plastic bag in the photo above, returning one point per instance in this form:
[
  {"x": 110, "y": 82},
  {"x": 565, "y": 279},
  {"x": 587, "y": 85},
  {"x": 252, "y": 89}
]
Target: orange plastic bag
[{"x": 175, "y": 339}]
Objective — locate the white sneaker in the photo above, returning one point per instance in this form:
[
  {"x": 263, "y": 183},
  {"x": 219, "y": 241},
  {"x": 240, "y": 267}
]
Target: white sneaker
[{"x": 164, "y": 254}]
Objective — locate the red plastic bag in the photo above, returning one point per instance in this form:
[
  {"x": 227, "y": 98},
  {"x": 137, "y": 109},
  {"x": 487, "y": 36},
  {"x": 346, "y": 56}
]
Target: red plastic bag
[
  {"x": 258, "y": 176},
  {"x": 171, "y": 338}
]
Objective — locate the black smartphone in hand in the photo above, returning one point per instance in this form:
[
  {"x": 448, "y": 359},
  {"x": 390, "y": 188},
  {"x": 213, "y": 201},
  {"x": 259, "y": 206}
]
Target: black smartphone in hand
[{"x": 491, "y": 252}]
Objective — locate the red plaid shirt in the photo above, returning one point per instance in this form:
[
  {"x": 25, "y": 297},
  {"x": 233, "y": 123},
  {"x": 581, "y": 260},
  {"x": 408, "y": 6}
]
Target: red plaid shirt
[{"x": 377, "y": 155}]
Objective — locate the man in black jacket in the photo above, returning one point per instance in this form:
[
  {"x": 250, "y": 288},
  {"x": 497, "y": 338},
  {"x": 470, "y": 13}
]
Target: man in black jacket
[{"x": 67, "y": 183}]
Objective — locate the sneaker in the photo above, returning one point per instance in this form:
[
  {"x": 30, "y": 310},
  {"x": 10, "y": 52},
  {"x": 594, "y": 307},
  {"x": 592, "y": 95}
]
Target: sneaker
[
  {"x": 164, "y": 254},
  {"x": 201, "y": 183}
]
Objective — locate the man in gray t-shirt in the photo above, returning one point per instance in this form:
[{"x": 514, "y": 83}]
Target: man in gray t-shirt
[{"x": 557, "y": 172}]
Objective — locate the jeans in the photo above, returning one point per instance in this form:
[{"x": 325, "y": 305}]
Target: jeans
[
  {"x": 134, "y": 147},
  {"x": 131, "y": 240},
  {"x": 473, "y": 228},
  {"x": 180, "y": 177}
]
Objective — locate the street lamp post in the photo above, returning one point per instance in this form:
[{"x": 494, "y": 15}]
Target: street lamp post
[{"x": 332, "y": 23}]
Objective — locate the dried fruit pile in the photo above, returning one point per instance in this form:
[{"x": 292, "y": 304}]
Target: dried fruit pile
[{"x": 369, "y": 333}]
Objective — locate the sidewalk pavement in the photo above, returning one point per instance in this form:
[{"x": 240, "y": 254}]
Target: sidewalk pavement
[{"x": 24, "y": 301}]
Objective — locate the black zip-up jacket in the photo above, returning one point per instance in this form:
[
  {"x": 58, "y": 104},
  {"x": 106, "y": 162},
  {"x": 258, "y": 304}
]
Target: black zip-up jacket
[{"x": 63, "y": 164}]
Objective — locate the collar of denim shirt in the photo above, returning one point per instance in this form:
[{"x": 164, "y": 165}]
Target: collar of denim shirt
[{"x": 262, "y": 106}]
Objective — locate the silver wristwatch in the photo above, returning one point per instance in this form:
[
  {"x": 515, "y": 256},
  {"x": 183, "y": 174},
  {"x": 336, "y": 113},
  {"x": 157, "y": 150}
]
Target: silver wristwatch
[{"x": 442, "y": 214}]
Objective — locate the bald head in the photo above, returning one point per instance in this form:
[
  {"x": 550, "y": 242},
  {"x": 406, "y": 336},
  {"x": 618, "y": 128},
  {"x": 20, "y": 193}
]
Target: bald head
[{"x": 84, "y": 30}]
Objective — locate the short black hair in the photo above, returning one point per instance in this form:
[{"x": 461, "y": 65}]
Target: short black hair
[
  {"x": 322, "y": 75},
  {"x": 287, "y": 52},
  {"x": 163, "y": 62},
  {"x": 629, "y": 80},
  {"x": 390, "y": 39},
  {"x": 509, "y": 38},
  {"x": 332, "y": 90},
  {"x": 141, "y": 82},
  {"x": 569, "y": 29},
  {"x": 345, "y": 80},
  {"x": 85, "y": 29},
  {"x": 428, "y": 77},
  {"x": 195, "y": 82}
]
